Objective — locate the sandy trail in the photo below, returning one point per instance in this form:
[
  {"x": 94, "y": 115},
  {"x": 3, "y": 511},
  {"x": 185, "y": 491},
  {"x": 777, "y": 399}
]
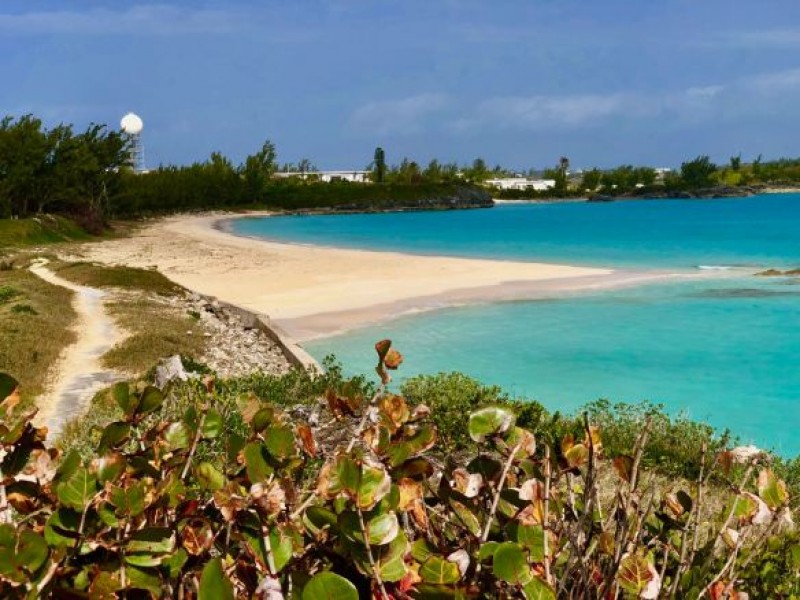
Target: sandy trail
[{"x": 78, "y": 373}]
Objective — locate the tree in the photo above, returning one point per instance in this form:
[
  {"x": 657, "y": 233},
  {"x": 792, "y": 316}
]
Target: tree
[
  {"x": 591, "y": 179},
  {"x": 697, "y": 173},
  {"x": 379, "y": 165},
  {"x": 258, "y": 169},
  {"x": 736, "y": 162}
]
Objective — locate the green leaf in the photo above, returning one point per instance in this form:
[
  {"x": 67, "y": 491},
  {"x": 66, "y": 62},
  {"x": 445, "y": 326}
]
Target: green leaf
[
  {"x": 381, "y": 528},
  {"x": 113, "y": 435},
  {"x": 280, "y": 442},
  {"x": 21, "y": 553},
  {"x": 634, "y": 573},
  {"x": 209, "y": 477},
  {"x": 77, "y": 491},
  {"x": 771, "y": 489},
  {"x": 329, "y": 586},
  {"x": 536, "y": 589},
  {"x": 374, "y": 484},
  {"x": 487, "y": 550},
  {"x": 282, "y": 547},
  {"x": 174, "y": 563},
  {"x": 177, "y": 436},
  {"x": 390, "y": 559},
  {"x": 511, "y": 565},
  {"x": 129, "y": 501},
  {"x": 490, "y": 421},
  {"x": 125, "y": 400},
  {"x": 214, "y": 584},
  {"x": 7, "y": 386},
  {"x": 439, "y": 570},
  {"x": 151, "y": 399},
  {"x": 144, "y": 579},
  {"x": 155, "y": 540},
  {"x": 422, "y": 550},
  {"x": 466, "y": 515},
  {"x": 530, "y": 537},
  {"x": 61, "y": 529},
  {"x": 109, "y": 468},
  {"x": 255, "y": 463},
  {"x": 316, "y": 518},
  {"x": 212, "y": 425}
]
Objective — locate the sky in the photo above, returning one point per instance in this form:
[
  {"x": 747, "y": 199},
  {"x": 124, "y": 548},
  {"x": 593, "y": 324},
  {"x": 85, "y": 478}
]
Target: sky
[{"x": 516, "y": 82}]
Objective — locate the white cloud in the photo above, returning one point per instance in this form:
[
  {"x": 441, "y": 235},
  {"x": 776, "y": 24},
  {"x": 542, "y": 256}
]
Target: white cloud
[
  {"x": 148, "y": 19},
  {"x": 404, "y": 115},
  {"x": 777, "y": 82}
]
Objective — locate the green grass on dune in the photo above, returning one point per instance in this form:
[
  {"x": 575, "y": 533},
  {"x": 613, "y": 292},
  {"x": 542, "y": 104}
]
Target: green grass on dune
[
  {"x": 128, "y": 278},
  {"x": 45, "y": 229},
  {"x": 35, "y": 326}
]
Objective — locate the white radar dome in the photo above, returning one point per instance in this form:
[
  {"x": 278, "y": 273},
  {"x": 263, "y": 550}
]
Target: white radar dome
[{"x": 132, "y": 124}]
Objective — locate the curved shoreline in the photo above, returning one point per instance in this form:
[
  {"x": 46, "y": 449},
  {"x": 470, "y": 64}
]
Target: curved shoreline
[{"x": 315, "y": 291}]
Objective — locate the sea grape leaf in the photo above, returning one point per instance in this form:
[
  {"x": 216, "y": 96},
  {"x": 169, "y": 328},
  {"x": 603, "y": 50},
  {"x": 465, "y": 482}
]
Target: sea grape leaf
[
  {"x": 438, "y": 570},
  {"x": 113, "y": 435},
  {"x": 490, "y": 421},
  {"x": 381, "y": 528},
  {"x": 771, "y": 489},
  {"x": 209, "y": 477},
  {"x": 255, "y": 463},
  {"x": 151, "y": 399},
  {"x": 577, "y": 456},
  {"x": 214, "y": 584},
  {"x": 511, "y": 565},
  {"x": 212, "y": 424},
  {"x": 21, "y": 553},
  {"x": 634, "y": 573},
  {"x": 279, "y": 441},
  {"x": 177, "y": 436},
  {"x": 8, "y": 386},
  {"x": 129, "y": 501},
  {"x": 329, "y": 586},
  {"x": 126, "y": 401},
  {"x": 536, "y": 589},
  {"x": 78, "y": 489},
  {"x": 109, "y": 468},
  {"x": 623, "y": 465}
]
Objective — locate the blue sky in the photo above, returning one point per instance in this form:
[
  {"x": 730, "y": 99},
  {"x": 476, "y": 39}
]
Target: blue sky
[{"x": 518, "y": 82}]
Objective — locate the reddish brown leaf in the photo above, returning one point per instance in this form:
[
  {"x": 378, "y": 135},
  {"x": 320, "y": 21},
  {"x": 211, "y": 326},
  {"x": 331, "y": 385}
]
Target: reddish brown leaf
[
  {"x": 307, "y": 440},
  {"x": 393, "y": 359},
  {"x": 623, "y": 465},
  {"x": 382, "y": 348}
]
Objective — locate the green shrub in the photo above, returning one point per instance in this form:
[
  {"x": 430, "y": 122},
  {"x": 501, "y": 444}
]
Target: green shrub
[
  {"x": 7, "y": 293},
  {"x": 24, "y": 309},
  {"x": 199, "y": 488}
]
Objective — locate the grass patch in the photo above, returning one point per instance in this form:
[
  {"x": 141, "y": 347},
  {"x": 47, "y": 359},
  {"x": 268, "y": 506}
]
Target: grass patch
[
  {"x": 7, "y": 293},
  {"x": 157, "y": 331},
  {"x": 101, "y": 276},
  {"x": 46, "y": 229},
  {"x": 35, "y": 330}
]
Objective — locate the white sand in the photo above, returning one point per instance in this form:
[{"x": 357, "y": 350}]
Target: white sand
[{"x": 290, "y": 282}]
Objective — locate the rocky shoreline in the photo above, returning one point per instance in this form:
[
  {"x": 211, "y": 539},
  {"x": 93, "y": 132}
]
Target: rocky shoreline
[{"x": 235, "y": 347}]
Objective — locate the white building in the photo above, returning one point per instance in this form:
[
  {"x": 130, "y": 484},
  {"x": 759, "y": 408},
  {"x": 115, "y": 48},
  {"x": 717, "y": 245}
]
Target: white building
[
  {"x": 522, "y": 183},
  {"x": 327, "y": 176}
]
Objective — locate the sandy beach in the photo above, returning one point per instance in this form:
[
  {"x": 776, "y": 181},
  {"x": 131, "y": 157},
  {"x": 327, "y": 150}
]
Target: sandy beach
[{"x": 313, "y": 291}]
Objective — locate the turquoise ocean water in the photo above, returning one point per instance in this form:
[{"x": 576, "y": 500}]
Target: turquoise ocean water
[{"x": 723, "y": 350}]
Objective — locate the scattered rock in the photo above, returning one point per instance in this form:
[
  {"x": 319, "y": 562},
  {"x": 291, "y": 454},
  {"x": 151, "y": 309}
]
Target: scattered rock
[{"x": 170, "y": 369}]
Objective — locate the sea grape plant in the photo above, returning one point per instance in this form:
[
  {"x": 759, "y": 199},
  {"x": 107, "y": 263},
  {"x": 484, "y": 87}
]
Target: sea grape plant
[{"x": 280, "y": 513}]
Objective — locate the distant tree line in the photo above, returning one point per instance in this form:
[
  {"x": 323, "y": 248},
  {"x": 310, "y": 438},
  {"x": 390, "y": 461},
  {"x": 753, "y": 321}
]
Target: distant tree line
[
  {"x": 85, "y": 174},
  {"x": 58, "y": 169}
]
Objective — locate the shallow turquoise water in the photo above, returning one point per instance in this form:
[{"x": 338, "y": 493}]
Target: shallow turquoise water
[{"x": 723, "y": 350}]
